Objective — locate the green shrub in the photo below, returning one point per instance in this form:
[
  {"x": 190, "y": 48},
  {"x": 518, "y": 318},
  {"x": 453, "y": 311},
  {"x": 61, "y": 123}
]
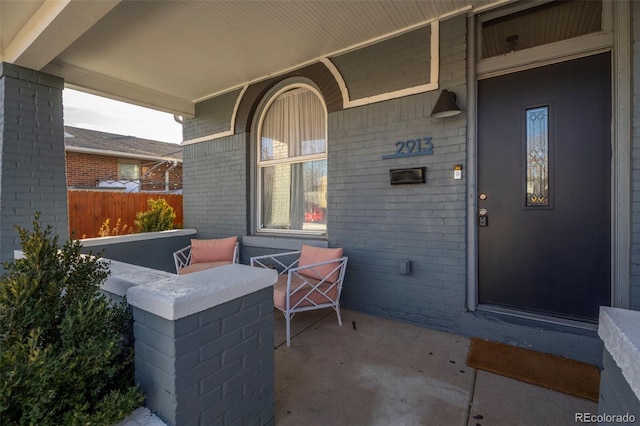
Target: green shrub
[
  {"x": 159, "y": 217},
  {"x": 64, "y": 357}
]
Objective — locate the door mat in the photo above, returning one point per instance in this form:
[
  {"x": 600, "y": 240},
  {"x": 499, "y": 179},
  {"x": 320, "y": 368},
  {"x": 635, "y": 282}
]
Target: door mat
[{"x": 550, "y": 371}]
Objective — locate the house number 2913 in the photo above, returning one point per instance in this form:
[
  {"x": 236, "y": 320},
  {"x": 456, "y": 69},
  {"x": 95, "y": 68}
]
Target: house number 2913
[{"x": 412, "y": 147}]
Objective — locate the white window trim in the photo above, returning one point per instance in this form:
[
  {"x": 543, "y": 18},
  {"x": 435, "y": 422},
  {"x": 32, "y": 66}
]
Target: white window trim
[
  {"x": 257, "y": 211},
  {"x": 546, "y": 54}
]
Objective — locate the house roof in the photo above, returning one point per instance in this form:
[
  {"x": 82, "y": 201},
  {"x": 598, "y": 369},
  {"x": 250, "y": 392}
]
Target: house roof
[
  {"x": 102, "y": 143},
  {"x": 169, "y": 55}
]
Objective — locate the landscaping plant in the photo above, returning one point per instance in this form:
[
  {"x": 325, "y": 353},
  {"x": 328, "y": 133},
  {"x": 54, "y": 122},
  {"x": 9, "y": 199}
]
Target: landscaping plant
[
  {"x": 159, "y": 216},
  {"x": 107, "y": 231},
  {"x": 64, "y": 357}
]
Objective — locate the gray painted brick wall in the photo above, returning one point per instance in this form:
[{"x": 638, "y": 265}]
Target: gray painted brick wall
[
  {"x": 421, "y": 223},
  {"x": 212, "y": 116},
  {"x": 390, "y": 65},
  {"x": 139, "y": 253},
  {"x": 32, "y": 154},
  {"x": 635, "y": 255},
  {"x": 380, "y": 225},
  {"x": 215, "y": 187},
  {"x": 214, "y": 367}
]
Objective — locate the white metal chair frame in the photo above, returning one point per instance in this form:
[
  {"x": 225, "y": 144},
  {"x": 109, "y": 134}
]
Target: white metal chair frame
[
  {"x": 182, "y": 257},
  {"x": 307, "y": 287}
]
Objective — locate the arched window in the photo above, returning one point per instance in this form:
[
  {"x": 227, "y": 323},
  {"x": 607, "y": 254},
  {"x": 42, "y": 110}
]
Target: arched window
[{"x": 292, "y": 163}]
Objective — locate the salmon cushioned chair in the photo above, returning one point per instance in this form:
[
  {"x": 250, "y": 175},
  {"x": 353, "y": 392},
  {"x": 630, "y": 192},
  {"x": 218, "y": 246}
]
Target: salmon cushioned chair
[
  {"x": 308, "y": 279},
  {"x": 206, "y": 254}
]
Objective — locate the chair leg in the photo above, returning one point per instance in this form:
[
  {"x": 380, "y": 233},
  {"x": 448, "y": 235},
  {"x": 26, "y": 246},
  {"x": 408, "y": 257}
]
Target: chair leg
[
  {"x": 338, "y": 313},
  {"x": 287, "y": 317}
]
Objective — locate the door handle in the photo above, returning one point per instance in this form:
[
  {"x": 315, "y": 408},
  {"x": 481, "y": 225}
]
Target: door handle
[{"x": 483, "y": 220}]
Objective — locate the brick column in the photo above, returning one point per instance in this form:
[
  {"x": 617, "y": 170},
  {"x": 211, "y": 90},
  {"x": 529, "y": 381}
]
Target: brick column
[
  {"x": 204, "y": 350},
  {"x": 32, "y": 157}
]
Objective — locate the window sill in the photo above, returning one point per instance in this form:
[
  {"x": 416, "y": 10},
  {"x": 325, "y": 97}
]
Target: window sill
[{"x": 283, "y": 243}]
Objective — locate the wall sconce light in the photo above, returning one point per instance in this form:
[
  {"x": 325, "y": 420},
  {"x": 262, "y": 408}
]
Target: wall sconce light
[{"x": 446, "y": 105}]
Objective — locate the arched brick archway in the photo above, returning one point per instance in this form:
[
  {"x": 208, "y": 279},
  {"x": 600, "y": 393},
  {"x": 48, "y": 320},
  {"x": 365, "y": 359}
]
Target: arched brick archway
[{"x": 317, "y": 73}]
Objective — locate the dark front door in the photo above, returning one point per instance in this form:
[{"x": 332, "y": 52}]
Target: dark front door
[{"x": 544, "y": 155}]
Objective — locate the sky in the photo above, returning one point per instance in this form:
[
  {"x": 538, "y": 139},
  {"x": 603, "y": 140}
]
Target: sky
[{"x": 105, "y": 115}]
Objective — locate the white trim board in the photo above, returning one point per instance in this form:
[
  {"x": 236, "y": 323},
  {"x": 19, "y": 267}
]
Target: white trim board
[
  {"x": 232, "y": 124},
  {"x": 120, "y": 154},
  {"x": 347, "y": 102}
]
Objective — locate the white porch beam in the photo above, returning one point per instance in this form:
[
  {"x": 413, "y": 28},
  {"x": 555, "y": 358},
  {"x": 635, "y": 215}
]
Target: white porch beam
[
  {"x": 101, "y": 85},
  {"x": 53, "y": 28}
]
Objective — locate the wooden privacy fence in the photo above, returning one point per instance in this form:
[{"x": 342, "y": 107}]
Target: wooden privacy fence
[{"x": 89, "y": 209}]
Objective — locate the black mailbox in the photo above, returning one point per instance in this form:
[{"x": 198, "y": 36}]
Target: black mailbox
[{"x": 408, "y": 176}]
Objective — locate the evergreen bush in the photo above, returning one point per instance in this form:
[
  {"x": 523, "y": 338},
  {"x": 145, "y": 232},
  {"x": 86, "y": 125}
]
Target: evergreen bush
[
  {"x": 64, "y": 357},
  {"x": 159, "y": 216}
]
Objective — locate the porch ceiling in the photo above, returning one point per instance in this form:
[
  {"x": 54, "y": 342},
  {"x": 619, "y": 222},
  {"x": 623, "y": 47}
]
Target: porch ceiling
[{"x": 168, "y": 55}]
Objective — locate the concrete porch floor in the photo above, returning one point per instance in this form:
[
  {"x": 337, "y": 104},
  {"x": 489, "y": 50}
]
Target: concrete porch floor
[{"x": 373, "y": 371}]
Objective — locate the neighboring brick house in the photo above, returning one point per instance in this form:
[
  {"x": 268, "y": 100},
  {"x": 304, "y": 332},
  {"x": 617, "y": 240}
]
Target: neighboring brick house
[{"x": 107, "y": 160}]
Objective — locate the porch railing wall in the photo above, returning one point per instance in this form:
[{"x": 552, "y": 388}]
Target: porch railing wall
[
  {"x": 204, "y": 351},
  {"x": 150, "y": 249}
]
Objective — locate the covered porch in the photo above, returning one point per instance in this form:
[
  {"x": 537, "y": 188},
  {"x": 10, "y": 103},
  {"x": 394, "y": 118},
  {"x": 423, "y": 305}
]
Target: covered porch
[
  {"x": 417, "y": 251},
  {"x": 370, "y": 371},
  {"x": 375, "y": 70}
]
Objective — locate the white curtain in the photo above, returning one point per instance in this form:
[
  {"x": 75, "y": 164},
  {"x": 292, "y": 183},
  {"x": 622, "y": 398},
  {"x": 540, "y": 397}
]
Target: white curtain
[{"x": 294, "y": 125}]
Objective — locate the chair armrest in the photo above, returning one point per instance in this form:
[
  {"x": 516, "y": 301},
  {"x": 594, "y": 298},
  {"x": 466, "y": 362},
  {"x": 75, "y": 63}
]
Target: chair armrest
[
  {"x": 261, "y": 261},
  {"x": 182, "y": 258},
  {"x": 341, "y": 266},
  {"x": 236, "y": 253}
]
